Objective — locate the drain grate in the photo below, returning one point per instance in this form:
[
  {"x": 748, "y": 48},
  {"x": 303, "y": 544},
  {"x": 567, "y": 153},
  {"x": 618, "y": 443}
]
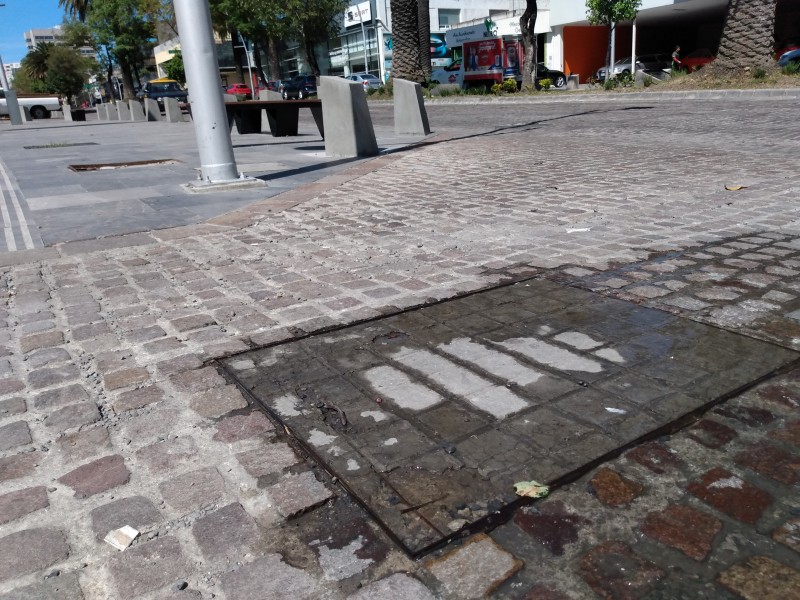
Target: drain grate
[
  {"x": 124, "y": 165},
  {"x": 429, "y": 417},
  {"x": 59, "y": 145}
]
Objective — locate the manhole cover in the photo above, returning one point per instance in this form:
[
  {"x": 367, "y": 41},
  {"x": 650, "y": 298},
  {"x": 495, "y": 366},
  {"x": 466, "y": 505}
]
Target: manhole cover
[
  {"x": 429, "y": 417},
  {"x": 123, "y": 165}
]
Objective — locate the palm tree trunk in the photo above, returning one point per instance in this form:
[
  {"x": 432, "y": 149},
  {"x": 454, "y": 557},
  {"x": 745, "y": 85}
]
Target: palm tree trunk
[
  {"x": 272, "y": 59},
  {"x": 527, "y": 27},
  {"x": 748, "y": 35},
  {"x": 405, "y": 41},
  {"x": 424, "y": 27}
]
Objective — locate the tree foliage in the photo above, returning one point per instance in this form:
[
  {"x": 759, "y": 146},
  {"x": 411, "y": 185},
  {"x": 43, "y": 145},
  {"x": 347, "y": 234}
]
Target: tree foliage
[
  {"x": 174, "y": 67},
  {"x": 66, "y": 72},
  {"x": 609, "y": 13},
  {"x": 35, "y": 62}
]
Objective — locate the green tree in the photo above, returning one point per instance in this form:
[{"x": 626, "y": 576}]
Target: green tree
[
  {"x": 609, "y": 13},
  {"x": 313, "y": 22},
  {"x": 124, "y": 32},
  {"x": 25, "y": 84},
  {"x": 35, "y": 62},
  {"x": 75, "y": 8},
  {"x": 66, "y": 72},
  {"x": 748, "y": 35},
  {"x": 405, "y": 41},
  {"x": 174, "y": 66}
]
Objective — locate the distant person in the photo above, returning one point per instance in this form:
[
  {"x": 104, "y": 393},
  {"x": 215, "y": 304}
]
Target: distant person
[
  {"x": 473, "y": 58},
  {"x": 512, "y": 59},
  {"x": 676, "y": 59}
]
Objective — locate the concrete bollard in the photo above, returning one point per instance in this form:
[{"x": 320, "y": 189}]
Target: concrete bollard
[
  {"x": 573, "y": 82},
  {"x": 152, "y": 110},
  {"x": 137, "y": 112},
  {"x": 410, "y": 116},
  {"x": 124, "y": 111},
  {"x": 172, "y": 110},
  {"x": 348, "y": 124},
  {"x": 66, "y": 110},
  {"x": 113, "y": 113},
  {"x": 26, "y": 114},
  {"x": 102, "y": 112},
  {"x": 268, "y": 95}
]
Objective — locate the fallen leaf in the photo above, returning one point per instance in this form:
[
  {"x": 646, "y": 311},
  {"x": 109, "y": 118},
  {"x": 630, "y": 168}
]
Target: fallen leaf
[
  {"x": 735, "y": 188},
  {"x": 531, "y": 489}
]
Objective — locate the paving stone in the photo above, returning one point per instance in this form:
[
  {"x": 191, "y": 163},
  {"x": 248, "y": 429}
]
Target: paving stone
[
  {"x": 750, "y": 416},
  {"x": 218, "y": 401},
  {"x": 97, "y": 476},
  {"x": 542, "y": 592},
  {"x": 192, "y": 322},
  {"x": 475, "y": 569},
  {"x": 553, "y": 526},
  {"x": 789, "y": 433},
  {"x": 612, "y": 489},
  {"x": 711, "y": 434},
  {"x": 198, "y": 380},
  {"x": 657, "y": 457},
  {"x": 126, "y": 378},
  {"x": 241, "y": 427},
  {"x": 136, "y": 511},
  {"x": 229, "y": 531},
  {"x": 71, "y": 394},
  {"x": 348, "y": 549},
  {"x": 648, "y": 291},
  {"x": 41, "y": 340},
  {"x": 788, "y": 534},
  {"x": 187, "y": 362},
  {"x": 22, "y": 502},
  {"x": 73, "y": 415},
  {"x": 18, "y": 465},
  {"x": 13, "y": 435},
  {"x": 43, "y": 378},
  {"x": 10, "y": 385},
  {"x": 137, "y": 398},
  {"x": 193, "y": 490},
  {"x": 169, "y": 455},
  {"x": 295, "y": 494},
  {"x": 761, "y": 578},
  {"x": 92, "y": 330},
  {"x": 11, "y": 407},
  {"x": 731, "y": 495},
  {"x": 284, "y": 582},
  {"x": 683, "y": 528},
  {"x": 163, "y": 345},
  {"x": 771, "y": 461},
  {"x": 148, "y": 567},
  {"x": 398, "y": 586},
  {"x": 268, "y": 460},
  {"x": 63, "y": 587},
  {"x": 613, "y": 570},
  {"x": 78, "y": 446},
  {"x": 30, "y": 550}
]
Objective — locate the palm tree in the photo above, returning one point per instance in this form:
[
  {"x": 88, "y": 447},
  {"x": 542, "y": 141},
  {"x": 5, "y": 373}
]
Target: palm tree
[
  {"x": 405, "y": 40},
  {"x": 76, "y": 8},
  {"x": 424, "y": 31},
  {"x": 35, "y": 62},
  {"x": 747, "y": 37}
]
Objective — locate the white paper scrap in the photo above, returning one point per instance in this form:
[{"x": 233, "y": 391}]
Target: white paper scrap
[{"x": 121, "y": 538}]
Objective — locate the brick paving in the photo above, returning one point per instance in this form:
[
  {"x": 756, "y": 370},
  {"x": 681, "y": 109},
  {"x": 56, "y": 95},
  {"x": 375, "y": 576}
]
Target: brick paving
[{"x": 572, "y": 193}]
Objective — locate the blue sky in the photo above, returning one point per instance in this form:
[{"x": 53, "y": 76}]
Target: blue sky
[{"x": 17, "y": 17}]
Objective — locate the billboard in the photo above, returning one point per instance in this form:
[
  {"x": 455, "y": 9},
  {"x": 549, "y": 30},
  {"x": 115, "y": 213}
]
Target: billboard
[{"x": 483, "y": 60}]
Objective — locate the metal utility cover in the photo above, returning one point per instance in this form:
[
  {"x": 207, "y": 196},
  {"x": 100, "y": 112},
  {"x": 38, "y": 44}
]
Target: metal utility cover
[{"x": 430, "y": 416}]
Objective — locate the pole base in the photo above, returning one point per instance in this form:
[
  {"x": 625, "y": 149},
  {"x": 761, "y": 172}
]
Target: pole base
[{"x": 204, "y": 187}]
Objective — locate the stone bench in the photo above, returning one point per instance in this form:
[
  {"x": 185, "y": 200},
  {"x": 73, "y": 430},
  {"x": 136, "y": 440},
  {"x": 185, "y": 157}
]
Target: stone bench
[{"x": 283, "y": 115}]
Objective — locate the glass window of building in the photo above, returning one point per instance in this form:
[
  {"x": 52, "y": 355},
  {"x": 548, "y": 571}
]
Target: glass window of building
[{"x": 448, "y": 17}]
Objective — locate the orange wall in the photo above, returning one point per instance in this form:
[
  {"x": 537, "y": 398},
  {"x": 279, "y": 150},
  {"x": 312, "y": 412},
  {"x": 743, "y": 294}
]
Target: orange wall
[{"x": 585, "y": 48}]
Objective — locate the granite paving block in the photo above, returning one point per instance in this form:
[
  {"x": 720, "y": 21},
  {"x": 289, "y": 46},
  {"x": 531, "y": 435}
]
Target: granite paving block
[
  {"x": 169, "y": 455},
  {"x": 398, "y": 585},
  {"x": 147, "y": 567},
  {"x": 14, "y": 434},
  {"x": 268, "y": 459},
  {"x": 135, "y": 511},
  {"x": 217, "y": 401},
  {"x": 228, "y": 531},
  {"x": 97, "y": 476},
  {"x": 14, "y": 505},
  {"x": 241, "y": 427},
  {"x": 19, "y": 465},
  {"x": 30, "y": 550},
  {"x": 59, "y": 397},
  {"x": 84, "y": 444},
  {"x": 73, "y": 415},
  {"x": 63, "y": 587},
  {"x": 761, "y": 577},
  {"x": 11, "y": 407},
  {"x": 284, "y": 583},
  {"x": 193, "y": 490},
  {"x": 295, "y": 494}
]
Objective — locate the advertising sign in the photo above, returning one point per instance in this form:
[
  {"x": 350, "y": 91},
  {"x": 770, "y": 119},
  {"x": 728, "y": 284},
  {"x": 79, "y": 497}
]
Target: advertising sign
[
  {"x": 512, "y": 58},
  {"x": 357, "y": 14},
  {"x": 483, "y": 60}
]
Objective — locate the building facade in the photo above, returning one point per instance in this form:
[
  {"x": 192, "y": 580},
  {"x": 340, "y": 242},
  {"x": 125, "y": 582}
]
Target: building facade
[{"x": 53, "y": 35}]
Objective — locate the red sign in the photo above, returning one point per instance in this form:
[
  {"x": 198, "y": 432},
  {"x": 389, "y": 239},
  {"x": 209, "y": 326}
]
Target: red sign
[{"x": 483, "y": 59}]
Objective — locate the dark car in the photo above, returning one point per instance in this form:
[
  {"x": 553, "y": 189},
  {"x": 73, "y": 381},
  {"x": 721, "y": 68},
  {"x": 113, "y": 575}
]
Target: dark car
[
  {"x": 158, "y": 89},
  {"x": 790, "y": 57},
  {"x": 557, "y": 78},
  {"x": 300, "y": 86},
  {"x": 697, "y": 59}
]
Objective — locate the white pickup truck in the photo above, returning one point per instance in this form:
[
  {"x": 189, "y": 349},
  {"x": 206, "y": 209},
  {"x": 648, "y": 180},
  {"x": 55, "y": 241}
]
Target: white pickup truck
[{"x": 40, "y": 105}]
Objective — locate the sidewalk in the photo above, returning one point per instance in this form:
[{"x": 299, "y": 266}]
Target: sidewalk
[{"x": 659, "y": 313}]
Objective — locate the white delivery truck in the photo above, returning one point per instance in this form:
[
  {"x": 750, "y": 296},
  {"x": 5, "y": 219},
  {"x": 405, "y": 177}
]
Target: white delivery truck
[{"x": 39, "y": 105}]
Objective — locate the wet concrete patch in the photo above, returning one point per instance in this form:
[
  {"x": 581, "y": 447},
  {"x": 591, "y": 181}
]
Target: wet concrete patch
[{"x": 429, "y": 420}]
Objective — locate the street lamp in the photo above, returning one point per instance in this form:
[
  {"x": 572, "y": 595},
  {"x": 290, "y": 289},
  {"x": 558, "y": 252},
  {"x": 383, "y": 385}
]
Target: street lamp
[{"x": 3, "y": 78}]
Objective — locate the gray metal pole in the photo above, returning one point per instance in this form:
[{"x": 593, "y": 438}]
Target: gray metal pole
[{"x": 217, "y": 163}]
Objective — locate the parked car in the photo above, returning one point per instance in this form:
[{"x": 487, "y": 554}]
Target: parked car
[
  {"x": 367, "y": 80},
  {"x": 40, "y": 105},
  {"x": 791, "y": 57},
  {"x": 696, "y": 59},
  {"x": 158, "y": 89},
  {"x": 558, "y": 78},
  {"x": 300, "y": 86},
  {"x": 240, "y": 89},
  {"x": 449, "y": 74},
  {"x": 644, "y": 62}
]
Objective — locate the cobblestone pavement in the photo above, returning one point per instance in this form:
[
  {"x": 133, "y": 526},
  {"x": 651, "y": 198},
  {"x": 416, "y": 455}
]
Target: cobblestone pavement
[{"x": 110, "y": 414}]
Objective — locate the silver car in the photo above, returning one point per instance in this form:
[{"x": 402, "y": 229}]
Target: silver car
[
  {"x": 367, "y": 80},
  {"x": 644, "y": 62}
]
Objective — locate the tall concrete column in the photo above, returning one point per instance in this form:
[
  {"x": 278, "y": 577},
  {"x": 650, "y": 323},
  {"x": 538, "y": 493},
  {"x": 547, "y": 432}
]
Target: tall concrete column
[{"x": 217, "y": 163}]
